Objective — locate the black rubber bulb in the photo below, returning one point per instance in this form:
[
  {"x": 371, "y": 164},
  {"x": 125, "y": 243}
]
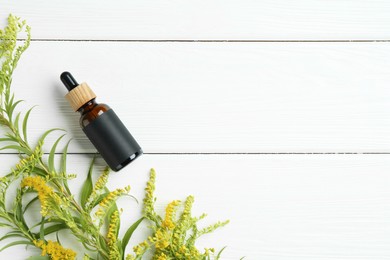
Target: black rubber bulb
[{"x": 68, "y": 80}]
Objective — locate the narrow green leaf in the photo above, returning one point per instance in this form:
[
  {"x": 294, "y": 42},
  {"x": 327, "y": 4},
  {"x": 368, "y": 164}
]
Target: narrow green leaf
[
  {"x": 54, "y": 228},
  {"x": 16, "y": 123},
  {"x": 11, "y": 234},
  {"x": 15, "y": 243},
  {"x": 63, "y": 157},
  {"x": 99, "y": 199},
  {"x": 7, "y": 139},
  {"x": 11, "y": 108},
  {"x": 102, "y": 242},
  {"x": 52, "y": 153},
  {"x": 58, "y": 239},
  {"x": 29, "y": 203},
  {"x": 18, "y": 148},
  {"x": 25, "y": 124},
  {"x": 63, "y": 166},
  {"x": 39, "y": 171},
  {"x": 87, "y": 187},
  {"x": 18, "y": 213},
  {"x": 42, "y": 229},
  {"x": 5, "y": 225},
  {"x": 77, "y": 220},
  {"x": 242, "y": 257},
  {"x": 43, "y": 136},
  {"x": 119, "y": 246},
  {"x": 51, "y": 221},
  {"x": 220, "y": 252},
  {"x": 12, "y": 137},
  {"x": 129, "y": 233}
]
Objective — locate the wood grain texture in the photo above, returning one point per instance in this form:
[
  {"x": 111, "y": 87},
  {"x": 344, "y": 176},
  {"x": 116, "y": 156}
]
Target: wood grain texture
[
  {"x": 220, "y": 97},
  {"x": 280, "y": 206},
  {"x": 205, "y": 20}
]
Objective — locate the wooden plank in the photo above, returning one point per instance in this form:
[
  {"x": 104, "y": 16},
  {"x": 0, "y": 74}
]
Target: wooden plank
[
  {"x": 280, "y": 206},
  {"x": 220, "y": 97},
  {"x": 205, "y": 20}
]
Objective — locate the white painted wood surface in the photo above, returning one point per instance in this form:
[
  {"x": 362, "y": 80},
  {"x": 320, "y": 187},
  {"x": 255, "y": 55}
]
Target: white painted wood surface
[
  {"x": 280, "y": 206},
  {"x": 232, "y": 97},
  {"x": 221, "y": 97},
  {"x": 205, "y": 19}
]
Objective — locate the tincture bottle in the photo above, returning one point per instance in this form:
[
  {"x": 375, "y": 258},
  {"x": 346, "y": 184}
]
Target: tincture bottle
[{"x": 101, "y": 125}]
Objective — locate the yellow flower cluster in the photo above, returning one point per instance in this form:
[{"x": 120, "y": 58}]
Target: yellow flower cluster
[
  {"x": 191, "y": 253},
  {"x": 174, "y": 236},
  {"x": 45, "y": 193},
  {"x": 98, "y": 188},
  {"x": 109, "y": 199},
  {"x": 102, "y": 180},
  {"x": 169, "y": 221},
  {"x": 162, "y": 256},
  {"x": 184, "y": 222},
  {"x": 161, "y": 239},
  {"x": 29, "y": 162},
  {"x": 55, "y": 250},
  {"x": 111, "y": 233},
  {"x": 141, "y": 248},
  {"x": 149, "y": 197},
  {"x": 112, "y": 236}
]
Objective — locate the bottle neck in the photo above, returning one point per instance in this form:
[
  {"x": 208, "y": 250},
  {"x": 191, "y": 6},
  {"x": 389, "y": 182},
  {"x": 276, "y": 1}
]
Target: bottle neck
[{"x": 87, "y": 106}]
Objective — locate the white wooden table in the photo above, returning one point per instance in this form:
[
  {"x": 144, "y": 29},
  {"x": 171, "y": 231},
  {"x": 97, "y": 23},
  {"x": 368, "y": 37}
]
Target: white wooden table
[{"x": 275, "y": 114}]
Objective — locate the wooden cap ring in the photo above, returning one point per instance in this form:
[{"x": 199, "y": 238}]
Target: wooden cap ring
[{"x": 80, "y": 95}]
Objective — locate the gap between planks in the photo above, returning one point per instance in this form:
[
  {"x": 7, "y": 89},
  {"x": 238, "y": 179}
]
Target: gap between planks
[
  {"x": 238, "y": 153},
  {"x": 208, "y": 41}
]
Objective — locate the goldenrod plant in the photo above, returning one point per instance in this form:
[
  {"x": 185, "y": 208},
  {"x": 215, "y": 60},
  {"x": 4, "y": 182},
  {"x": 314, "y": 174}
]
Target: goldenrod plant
[{"x": 94, "y": 220}]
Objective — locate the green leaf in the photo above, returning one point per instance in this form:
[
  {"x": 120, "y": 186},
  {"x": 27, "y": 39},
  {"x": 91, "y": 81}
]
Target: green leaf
[
  {"x": 18, "y": 213},
  {"x": 18, "y": 148},
  {"x": 12, "y": 137},
  {"x": 54, "y": 228},
  {"x": 25, "y": 124},
  {"x": 119, "y": 246},
  {"x": 58, "y": 239},
  {"x": 42, "y": 229},
  {"x": 43, "y": 136},
  {"x": 39, "y": 171},
  {"x": 129, "y": 233},
  {"x": 10, "y": 109},
  {"x": 29, "y": 203},
  {"x": 38, "y": 257},
  {"x": 50, "y": 220},
  {"x": 12, "y": 234},
  {"x": 5, "y": 225},
  {"x": 63, "y": 157},
  {"x": 52, "y": 153},
  {"x": 63, "y": 166},
  {"x": 99, "y": 199},
  {"x": 16, "y": 123},
  {"x": 220, "y": 252},
  {"x": 7, "y": 139},
  {"x": 87, "y": 187},
  {"x": 15, "y": 243}
]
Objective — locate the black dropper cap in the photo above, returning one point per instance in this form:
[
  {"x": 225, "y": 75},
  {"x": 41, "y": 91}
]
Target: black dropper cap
[{"x": 68, "y": 80}]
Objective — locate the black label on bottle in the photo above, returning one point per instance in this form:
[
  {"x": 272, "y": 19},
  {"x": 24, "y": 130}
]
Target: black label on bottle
[{"x": 112, "y": 140}]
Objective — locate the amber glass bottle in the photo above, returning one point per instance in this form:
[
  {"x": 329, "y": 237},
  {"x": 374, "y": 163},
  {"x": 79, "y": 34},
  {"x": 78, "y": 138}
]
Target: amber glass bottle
[{"x": 101, "y": 125}]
